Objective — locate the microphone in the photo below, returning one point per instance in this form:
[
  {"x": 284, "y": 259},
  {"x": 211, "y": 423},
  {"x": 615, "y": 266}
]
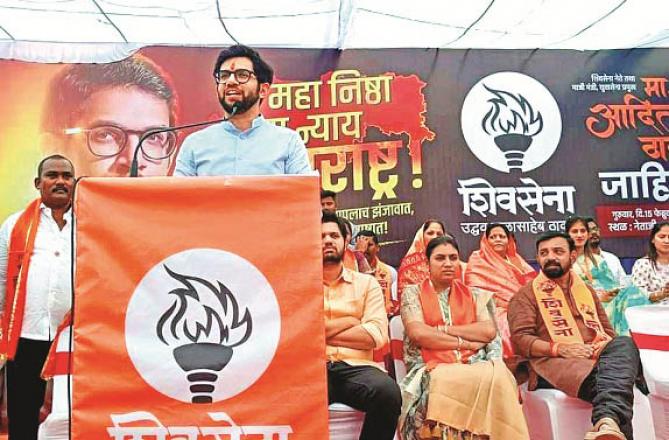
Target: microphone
[{"x": 134, "y": 167}]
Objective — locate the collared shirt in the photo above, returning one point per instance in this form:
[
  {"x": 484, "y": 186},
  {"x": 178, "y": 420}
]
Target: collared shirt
[
  {"x": 615, "y": 265},
  {"x": 49, "y": 283},
  {"x": 224, "y": 150},
  {"x": 358, "y": 295}
]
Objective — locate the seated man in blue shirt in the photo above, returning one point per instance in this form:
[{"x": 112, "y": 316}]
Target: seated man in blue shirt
[{"x": 247, "y": 144}]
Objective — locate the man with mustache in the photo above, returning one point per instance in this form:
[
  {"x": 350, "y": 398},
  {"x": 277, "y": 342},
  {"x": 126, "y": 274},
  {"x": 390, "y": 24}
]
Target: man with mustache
[
  {"x": 557, "y": 322},
  {"x": 247, "y": 144},
  {"x": 35, "y": 265},
  {"x": 355, "y": 325},
  {"x": 595, "y": 246}
]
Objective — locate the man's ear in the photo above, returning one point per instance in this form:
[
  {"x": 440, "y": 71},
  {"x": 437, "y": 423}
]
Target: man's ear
[
  {"x": 37, "y": 181},
  {"x": 264, "y": 90}
]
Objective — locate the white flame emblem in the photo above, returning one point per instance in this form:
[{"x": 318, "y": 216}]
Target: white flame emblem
[
  {"x": 203, "y": 312},
  {"x": 511, "y": 121},
  {"x": 202, "y": 325}
]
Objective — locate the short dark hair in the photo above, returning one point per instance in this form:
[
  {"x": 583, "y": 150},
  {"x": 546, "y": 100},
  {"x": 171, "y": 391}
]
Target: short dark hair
[
  {"x": 555, "y": 234},
  {"x": 437, "y": 241},
  {"x": 590, "y": 220},
  {"x": 367, "y": 233},
  {"x": 325, "y": 193},
  {"x": 40, "y": 166},
  {"x": 73, "y": 85},
  {"x": 262, "y": 70},
  {"x": 492, "y": 226},
  {"x": 333, "y": 218}
]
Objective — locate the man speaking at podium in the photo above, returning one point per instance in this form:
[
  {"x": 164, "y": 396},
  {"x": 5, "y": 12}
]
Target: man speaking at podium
[{"x": 246, "y": 144}]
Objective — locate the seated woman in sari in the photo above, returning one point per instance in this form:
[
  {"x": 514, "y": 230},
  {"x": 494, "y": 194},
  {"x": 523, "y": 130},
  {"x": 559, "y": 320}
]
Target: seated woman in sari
[
  {"x": 595, "y": 272},
  {"x": 413, "y": 268},
  {"x": 457, "y": 386},
  {"x": 496, "y": 267},
  {"x": 651, "y": 273}
]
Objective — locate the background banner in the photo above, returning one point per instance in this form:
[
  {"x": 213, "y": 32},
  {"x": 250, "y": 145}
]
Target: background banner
[
  {"x": 467, "y": 136},
  {"x": 188, "y": 317}
]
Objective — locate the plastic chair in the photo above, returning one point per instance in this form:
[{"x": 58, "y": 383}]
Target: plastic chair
[
  {"x": 649, "y": 327},
  {"x": 397, "y": 347},
  {"x": 345, "y": 423},
  {"x": 552, "y": 415}
]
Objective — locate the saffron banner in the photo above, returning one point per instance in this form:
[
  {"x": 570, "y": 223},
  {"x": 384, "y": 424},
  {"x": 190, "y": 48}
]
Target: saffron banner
[{"x": 198, "y": 312}]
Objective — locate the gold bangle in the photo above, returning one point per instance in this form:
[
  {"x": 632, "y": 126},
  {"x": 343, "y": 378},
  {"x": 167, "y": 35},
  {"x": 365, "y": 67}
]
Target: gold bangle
[{"x": 459, "y": 342}]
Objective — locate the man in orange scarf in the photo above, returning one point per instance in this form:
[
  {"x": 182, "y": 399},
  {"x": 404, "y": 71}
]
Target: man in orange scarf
[
  {"x": 35, "y": 272},
  {"x": 558, "y": 323}
]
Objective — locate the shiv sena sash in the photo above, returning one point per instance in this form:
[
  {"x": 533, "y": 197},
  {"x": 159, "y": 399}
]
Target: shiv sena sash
[
  {"x": 463, "y": 311},
  {"x": 197, "y": 314},
  {"x": 21, "y": 246},
  {"x": 557, "y": 315}
]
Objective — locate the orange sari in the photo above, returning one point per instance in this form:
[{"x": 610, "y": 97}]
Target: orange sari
[
  {"x": 487, "y": 270},
  {"x": 414, "y": 267}
]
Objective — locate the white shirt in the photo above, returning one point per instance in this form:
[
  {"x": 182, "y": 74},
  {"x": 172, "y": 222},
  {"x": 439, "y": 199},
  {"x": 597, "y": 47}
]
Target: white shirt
[
  {"x": 49, "y": 283},
  {"x": 614, "y": 264}
]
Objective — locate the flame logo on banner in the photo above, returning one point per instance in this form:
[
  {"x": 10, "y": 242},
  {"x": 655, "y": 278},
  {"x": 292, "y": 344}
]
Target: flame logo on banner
[
  {"x": 518, "y": 123},
  {"x": 513, "y": 122},
  {"x": 203, "y": 326}
]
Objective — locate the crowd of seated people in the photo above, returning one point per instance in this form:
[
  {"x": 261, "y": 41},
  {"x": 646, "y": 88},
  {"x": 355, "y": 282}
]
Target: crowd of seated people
[
  {"x": 467, "y": 328},
  {"x": 457, "y": 332},
  {"x": 595, "y": 271}
]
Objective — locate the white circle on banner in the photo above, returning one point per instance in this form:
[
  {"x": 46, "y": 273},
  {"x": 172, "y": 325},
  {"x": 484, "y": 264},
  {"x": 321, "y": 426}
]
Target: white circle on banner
[
  {"x": 202, "y": 325},
  {"x": 511, "y": 121}
]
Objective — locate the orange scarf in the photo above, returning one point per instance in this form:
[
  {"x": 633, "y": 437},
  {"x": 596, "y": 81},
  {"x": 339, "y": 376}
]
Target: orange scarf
[
  {"x": 487, "y": 270},
  {"x": 21, "y": 246},
  {"x": 558, "y": 317},
  {"x": 463, "y": 311},
  {"x": 414, "y": 267}
]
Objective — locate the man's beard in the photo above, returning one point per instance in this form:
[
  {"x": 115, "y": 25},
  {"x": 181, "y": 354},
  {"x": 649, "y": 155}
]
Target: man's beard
[
  {"x": 553, "y": 271},
  {"x": 337, "y": 257},
  {"x": 594, "y": 242},
  {"x": 242, "y": 106}
]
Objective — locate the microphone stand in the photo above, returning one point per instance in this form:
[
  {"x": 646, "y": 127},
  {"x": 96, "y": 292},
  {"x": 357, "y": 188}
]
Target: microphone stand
[{"x": 134, "y": 167}]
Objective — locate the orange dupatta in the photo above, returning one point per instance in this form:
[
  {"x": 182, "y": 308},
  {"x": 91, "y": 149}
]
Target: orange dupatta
[
  {"x": 21, "y": 246},
  {"x": 487, "y": 270},
  {"x": 414, "y": 267},
  {"x": 463, "y": 311}
]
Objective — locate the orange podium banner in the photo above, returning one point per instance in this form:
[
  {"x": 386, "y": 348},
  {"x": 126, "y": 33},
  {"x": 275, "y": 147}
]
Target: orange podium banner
[{"x": 198, "y": 309}]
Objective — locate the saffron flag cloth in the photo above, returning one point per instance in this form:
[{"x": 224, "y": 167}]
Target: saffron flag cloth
[{"x": 198, "y": 309}]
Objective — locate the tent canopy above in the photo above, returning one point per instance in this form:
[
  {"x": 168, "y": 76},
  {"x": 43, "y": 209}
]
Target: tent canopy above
[{"x": 115, "y": 27}]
